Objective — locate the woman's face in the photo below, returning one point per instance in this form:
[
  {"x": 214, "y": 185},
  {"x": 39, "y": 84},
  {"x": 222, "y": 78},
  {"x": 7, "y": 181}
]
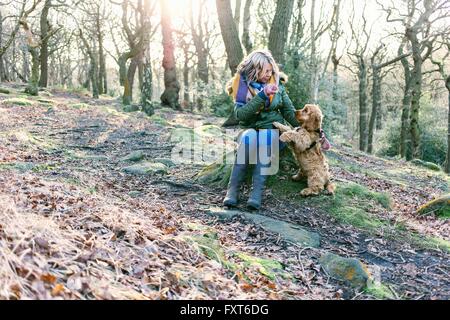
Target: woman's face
[{"x": 266, "y": 73}]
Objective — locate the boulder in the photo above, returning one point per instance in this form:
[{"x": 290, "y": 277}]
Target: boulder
[
  {"x": 428, "y": 165},
  {"x": 131, "y": 108},
  {"x": 134, "y": 156},
  {"x": 287, "y": 231},
  {"x": 349, "y": 270},
  {"x": 165, "y": 161},
  {"x": 223, "y": 214},
  {"x": 439, "y": 207},
  {"x": 146, "y": 168}
]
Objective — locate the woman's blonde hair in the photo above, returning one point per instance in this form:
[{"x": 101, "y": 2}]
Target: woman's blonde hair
[{"x": 253, "y": 64}]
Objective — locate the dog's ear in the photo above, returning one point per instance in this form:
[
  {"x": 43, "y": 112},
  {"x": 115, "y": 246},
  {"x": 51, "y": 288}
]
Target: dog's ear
[{"x": 316, "y": 120}]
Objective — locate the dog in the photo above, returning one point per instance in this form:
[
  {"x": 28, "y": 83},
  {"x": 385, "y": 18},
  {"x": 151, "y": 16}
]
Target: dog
[{"x": 306, "y": 146}]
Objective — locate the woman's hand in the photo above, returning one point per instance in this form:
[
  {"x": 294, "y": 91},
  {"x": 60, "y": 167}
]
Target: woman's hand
[{"x": 270, "y": 89}]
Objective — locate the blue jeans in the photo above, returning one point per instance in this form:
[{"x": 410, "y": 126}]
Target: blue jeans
[{"x": 259, "y": 147}]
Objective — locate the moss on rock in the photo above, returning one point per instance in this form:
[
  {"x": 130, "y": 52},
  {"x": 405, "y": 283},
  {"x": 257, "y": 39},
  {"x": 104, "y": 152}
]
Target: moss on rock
[
  {"x": 18, "y": 102},
  {"x": 349, "y": 270},
  {"x": 439, "y": 207}
]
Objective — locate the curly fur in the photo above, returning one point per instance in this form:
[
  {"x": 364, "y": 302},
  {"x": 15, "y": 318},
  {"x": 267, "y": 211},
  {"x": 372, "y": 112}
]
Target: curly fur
[{"x": 313, "y": 164}]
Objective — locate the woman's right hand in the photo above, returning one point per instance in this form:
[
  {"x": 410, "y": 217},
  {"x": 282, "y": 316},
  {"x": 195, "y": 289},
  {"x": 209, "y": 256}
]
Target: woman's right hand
[{"x": 270, "y": 89}]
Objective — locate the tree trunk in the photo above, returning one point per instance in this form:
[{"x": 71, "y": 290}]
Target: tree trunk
[
  {"x": 44, "y": 23},
  {"x": 246, "y": 41},
  {"x": 376, "y": 102},
  {"x": 32, "y": 88},
  {"x": 362, "y": 77},
  {"x": 447, "y": 163},
  {"x": 147, "y": 89},
  {"x": 3, "y": 76},
  {"x": 102, "y": 80},
  {"x": 416, "y": 92},
  {"x": 201, "y": 51},
  {"x": 170, "y": 95},
  {"x": 186, "y": 78},
  {"x": 25, "y": 65},
  {"x": 237, "y": 14},
  {"x": 298, "y": 28},
  {"x": 279, "y": 29},
  {"x": 93, "y": 68},
  {"x": 334, "y": 91},
  {"x": 131, "y": 75},
  {"x": 229, "y": 34},
  {"x": 32, "y": 47},
  {"x": 312, "y": 60}
]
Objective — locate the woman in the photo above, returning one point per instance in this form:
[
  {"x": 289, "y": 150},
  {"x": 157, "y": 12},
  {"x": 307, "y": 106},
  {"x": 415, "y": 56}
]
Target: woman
[{"x": 260, "y": 99}]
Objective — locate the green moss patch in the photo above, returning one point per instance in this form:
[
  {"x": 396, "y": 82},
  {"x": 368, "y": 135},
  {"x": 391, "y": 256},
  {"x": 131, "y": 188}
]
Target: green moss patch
[
  {"x": 439, "y": 207},
  {"x": 18, "y": 102},
  {"x": 267, "y": 267},
  {"x": 80, "y": 106},
  {"x": 380, "y": 291}
]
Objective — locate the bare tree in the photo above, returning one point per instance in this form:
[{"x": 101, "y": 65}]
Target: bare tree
[
  {"x": 418, "y": 19},
  {"x": 377, "y": 66},
  {"x": 34, "y": 47},
  {"x": 230, "y": 34},
  {"x": 170, "y": 95},
  {"x": 279, "y": 29},
  {"x": 45, "y": 29},
  {"x": 198, "y": 37},
  {"x": 445, "y": 76},
  {"x": 358, "y": 57},
  {"x": 246, "y": 20},
  {"x": 4, "y": 45},
  {"x": 316, "y": 32},
  {"x": 406, "y": 104},
  {"x": 137, "y": 40},
  {"x": 93, "y": 70}
]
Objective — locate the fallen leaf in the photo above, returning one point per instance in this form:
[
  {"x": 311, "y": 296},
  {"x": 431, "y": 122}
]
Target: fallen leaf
[
  {"x": 49, "y": 278},
  {"x": 57, "y": 289}
]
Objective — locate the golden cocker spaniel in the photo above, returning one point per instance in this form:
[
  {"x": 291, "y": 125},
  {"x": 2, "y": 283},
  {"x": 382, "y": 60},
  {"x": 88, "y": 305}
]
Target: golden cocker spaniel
[{"x": 306, "y": 146}]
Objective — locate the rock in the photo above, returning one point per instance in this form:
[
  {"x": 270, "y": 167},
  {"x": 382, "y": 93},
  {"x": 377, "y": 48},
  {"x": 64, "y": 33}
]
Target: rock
[
  {"x": 287, "y": 231},
  {"x": 45, "y": 93},
  {"x": 18, "y": 102},
  {"x": 131, "y": 108},
  {"x": 5, "y": 91},
  {"x": 165, "y": 161},
  {"x": 439, "y": 206},
  {"x": 146, "y": 168},
  {"x": 96, "y": 157},
  {"x": 134, "y": 156},
  {"x": 24, "y": 166},
  {"x": 135, "y": 194},
  {"x": 223, "y": 214},
  {"x": 349, "y": 270},
  {"x": 428, "y": 165}
]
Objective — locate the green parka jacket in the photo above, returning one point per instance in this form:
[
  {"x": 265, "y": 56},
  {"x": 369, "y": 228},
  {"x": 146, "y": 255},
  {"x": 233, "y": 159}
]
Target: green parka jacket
[{"x": 254, "y": 114}]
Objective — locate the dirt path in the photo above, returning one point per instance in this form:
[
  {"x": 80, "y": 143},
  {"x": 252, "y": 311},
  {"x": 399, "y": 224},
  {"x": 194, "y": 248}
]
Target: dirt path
[{"x": 82, "y": 147}]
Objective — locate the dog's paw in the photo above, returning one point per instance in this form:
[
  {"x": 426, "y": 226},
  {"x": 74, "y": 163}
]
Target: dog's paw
[
  {"x": 285, "y": 137},
  {"x": 330, "y": 189},
  {"x": 277, "y": 125},
  {"x": 308, "y": 192}
]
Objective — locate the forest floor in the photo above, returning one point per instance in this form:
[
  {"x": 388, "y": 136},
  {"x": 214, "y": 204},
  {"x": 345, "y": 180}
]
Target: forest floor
[{"x": 75, "y": 223}]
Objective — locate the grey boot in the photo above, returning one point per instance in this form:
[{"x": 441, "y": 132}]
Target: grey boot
[
  {"x": 236, "y": 178},
  {"x": 259, "y": 180}
]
